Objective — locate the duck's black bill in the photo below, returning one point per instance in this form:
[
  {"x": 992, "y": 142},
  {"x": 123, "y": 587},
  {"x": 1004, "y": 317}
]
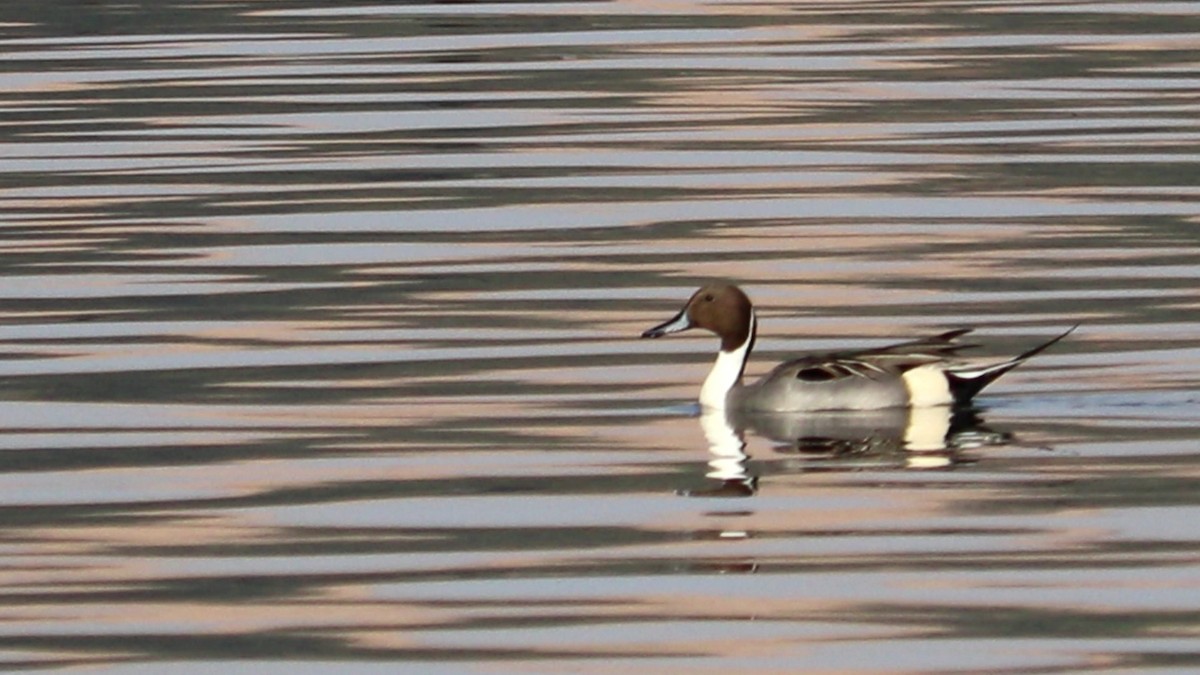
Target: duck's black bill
[{"x": 680, "y": 322}]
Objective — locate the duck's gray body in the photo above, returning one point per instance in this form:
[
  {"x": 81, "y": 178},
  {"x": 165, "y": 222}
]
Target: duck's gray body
[
  {"x": 919, "y": 373},
  {"x": 783, "y": 390},
  {"x": 868, "y": 379}
]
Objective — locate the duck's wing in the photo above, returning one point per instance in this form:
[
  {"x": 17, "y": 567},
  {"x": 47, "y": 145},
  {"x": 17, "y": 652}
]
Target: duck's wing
[
  {"x": 878, "y": 363},
  {"x": 941, "y": 346}
]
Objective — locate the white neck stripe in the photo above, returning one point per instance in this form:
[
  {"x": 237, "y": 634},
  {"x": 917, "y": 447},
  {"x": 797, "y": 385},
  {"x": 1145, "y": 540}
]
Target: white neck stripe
[{"x": 726, "y": 373}]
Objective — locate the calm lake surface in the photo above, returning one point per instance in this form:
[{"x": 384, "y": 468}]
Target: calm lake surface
[{"x": 319, "y": 324}]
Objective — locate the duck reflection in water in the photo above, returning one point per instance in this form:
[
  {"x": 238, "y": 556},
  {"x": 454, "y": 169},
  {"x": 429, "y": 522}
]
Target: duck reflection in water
[{"x": 850, "y": 440}]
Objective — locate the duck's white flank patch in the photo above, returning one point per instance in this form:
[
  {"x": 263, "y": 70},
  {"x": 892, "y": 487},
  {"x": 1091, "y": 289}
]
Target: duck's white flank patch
[
  {"x": 726, "y": 373},
  {"x": 927, "y": 386}
]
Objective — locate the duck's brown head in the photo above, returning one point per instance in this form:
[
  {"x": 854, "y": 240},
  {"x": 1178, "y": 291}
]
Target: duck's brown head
[{"x": 720, "y": 308}]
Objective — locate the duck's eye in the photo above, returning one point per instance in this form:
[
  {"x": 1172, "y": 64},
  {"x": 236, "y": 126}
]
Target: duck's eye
[{"x": 708, "y": 297}]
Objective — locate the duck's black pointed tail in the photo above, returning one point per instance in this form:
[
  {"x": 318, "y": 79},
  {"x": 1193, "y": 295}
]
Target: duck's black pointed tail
[{"x": 965, "y": 382}]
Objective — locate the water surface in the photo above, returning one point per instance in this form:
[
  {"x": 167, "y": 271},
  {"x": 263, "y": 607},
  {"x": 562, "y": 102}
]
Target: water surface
[{"x": 319, "y": 324}]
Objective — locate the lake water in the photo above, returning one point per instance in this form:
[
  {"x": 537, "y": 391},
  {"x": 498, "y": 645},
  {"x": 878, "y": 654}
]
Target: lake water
[{"x": 319, "y": 325}]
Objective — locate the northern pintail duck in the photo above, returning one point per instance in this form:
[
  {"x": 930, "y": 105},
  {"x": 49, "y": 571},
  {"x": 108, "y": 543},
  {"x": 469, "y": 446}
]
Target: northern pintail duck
[{"x": 914, "y": 374}]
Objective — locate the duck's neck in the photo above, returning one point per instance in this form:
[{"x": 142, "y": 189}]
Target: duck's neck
[{"x": 726, "y": 373}]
